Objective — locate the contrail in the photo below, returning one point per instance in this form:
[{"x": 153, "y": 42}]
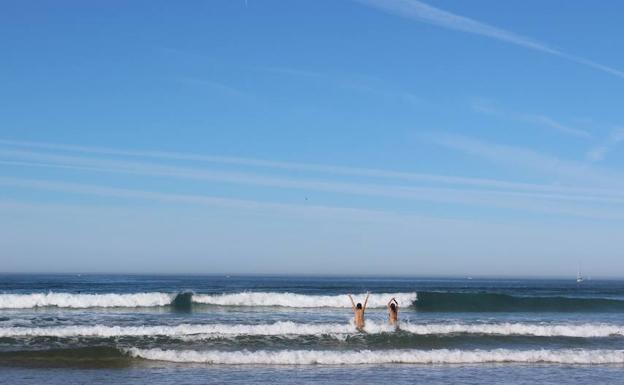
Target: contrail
[{"x": 417, "y": 10}]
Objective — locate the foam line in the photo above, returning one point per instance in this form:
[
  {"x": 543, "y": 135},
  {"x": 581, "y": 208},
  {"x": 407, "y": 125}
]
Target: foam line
[
  {"x": 71, "y": 300},
  {"x": 526, "y": 329},
  {"x": 328, "y": 357},
  {"x": 288, "y": 328},
  {"x": 278, "y": 328},
  {"x": 301, "y": 300}
]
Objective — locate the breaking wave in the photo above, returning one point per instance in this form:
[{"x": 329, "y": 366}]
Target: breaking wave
[
  {"x": 423, "y": 301},
  {"x": 294, "y": 328},
  {"x": 300, "y": 300},
  {"x": 278, "y": 328},
  {"x": 519, "y": 329},
  {"x": 187, "y": 300},
  {"x": 73, "y": 300},
  {"x": 329, "y": 357}
]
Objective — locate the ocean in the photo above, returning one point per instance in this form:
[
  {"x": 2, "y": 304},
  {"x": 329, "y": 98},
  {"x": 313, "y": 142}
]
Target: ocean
[{"x": 164, "y": 329}]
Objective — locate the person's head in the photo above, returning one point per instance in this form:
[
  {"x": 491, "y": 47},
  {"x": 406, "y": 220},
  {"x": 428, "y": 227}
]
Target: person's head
[
  {"x": 359, "y": 305},
  {"x": 393, "y": 306}
]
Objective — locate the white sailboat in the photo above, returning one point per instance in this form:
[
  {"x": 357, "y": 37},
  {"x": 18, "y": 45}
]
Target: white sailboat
[{"x": 579, "y": 277}]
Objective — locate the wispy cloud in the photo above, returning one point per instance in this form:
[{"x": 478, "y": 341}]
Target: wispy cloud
[
  {"x": 300, "y": 209},
  {"x": 578, "y": 173},
  {"x": 363, "y": 84},
  {"x": 220, "y": 87},
  {"x": 598, "y": 153},
  {"x": 487, "y": 107},
  {"x": 564, "y": 203},
  {"x": 204, "y": 200},
  {"x": 420, "y": 11},
  {"x": 549, "y": 122},
  {"x": 293, "y": 166}
]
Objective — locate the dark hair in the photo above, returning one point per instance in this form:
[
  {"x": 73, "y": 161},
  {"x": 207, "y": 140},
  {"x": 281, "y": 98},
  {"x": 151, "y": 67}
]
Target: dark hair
[
  {"x": 359, "y": 305},
  {"x": 392, "y": 306}
]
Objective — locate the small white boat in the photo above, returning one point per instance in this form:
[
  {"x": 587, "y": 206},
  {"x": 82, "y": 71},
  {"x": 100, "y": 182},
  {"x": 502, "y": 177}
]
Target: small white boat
[{"x": 579, "y": 277}]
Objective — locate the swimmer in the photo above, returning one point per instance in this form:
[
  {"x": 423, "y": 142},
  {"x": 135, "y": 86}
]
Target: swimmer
[
  {"x": 393, "y": 311},
  {"x": 358, "y": 312}
]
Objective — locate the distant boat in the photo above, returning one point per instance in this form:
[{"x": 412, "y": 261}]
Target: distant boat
[{"x": 579, "y": 277}]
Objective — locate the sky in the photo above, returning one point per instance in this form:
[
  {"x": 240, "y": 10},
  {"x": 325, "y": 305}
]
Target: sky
[{"x": 393, "y": 137}]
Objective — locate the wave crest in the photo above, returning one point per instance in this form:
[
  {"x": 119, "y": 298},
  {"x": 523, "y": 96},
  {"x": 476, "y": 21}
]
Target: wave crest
[
  {"x": 186, "y": 300},
  {"x": 72, "y": 300},
  {"x": 287, "y": 328},
  {"x": 439, "y": 356},
  {"x": 300, "y": 300}
]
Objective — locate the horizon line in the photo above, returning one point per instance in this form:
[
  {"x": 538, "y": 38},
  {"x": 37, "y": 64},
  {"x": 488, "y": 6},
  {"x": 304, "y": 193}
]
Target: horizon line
[{"x": 441, "y": 276}]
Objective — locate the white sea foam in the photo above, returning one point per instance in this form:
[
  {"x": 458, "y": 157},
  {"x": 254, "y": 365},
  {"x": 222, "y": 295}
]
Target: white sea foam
[
  {"x": 72, "y": 300},
  {"x": 301, "y": 300},
  {"x": 329, "y": 357},
  {"x": 203, "y": 330},
  {"x": 527, "y": 329},
  {"x": 288, "y": 328}
]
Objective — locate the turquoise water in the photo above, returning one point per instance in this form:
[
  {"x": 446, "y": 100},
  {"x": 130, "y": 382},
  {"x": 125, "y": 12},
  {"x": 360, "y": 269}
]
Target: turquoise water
[{"x": 245, "y": 329}]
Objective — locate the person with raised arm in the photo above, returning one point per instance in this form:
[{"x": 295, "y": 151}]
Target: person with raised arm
[
  {"x": 358, "y": 312},
  {"x": 393, "y": 311}
]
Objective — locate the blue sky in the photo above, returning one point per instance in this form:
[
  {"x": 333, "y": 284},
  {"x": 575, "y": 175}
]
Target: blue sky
[{"x": 344, "y": 137}]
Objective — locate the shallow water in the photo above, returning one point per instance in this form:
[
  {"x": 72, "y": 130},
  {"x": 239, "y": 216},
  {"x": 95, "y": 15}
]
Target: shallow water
[{"x": 481, "y": 374}]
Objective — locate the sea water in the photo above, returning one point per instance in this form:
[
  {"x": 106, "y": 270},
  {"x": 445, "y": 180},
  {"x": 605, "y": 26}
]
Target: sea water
[{"x": 132, "y": 329}]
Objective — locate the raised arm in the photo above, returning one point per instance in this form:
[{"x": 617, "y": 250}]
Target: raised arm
[
  {"x": 365, "y": 301},
  {"x": 352, "y": 303}
]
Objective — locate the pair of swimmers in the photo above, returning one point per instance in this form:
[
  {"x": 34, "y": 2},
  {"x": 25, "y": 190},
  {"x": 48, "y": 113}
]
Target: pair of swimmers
[{"x": 358, "y": 311}]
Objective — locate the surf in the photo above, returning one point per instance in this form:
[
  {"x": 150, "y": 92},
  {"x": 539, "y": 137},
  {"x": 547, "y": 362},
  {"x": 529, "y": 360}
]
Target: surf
[
  {"x": 427, "y": 301},
  {"x": 186, "y": 300},
  {"x": 82, "y": 300},
  {"x": 376, "y": 300},
  {"x": 289, "y": 328},
  {"x": 360, "y": 357}
]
